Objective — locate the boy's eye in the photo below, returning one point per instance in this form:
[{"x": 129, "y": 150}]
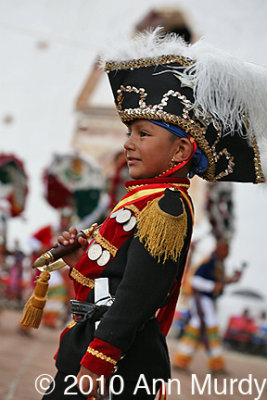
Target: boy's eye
[
  {"x": 128, "y": 134},
  {"x": 143, "y": 133}
]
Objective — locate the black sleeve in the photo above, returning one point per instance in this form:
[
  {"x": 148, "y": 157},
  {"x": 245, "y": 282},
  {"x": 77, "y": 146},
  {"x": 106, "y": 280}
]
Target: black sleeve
[{"x": 143, "y": 289}]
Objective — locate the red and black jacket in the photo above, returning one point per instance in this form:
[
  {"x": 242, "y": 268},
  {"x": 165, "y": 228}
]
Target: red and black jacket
[{"x": 145, "y": 268}]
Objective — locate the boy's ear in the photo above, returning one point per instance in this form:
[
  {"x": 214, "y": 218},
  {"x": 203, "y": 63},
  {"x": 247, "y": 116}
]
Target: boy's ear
[{"x": 183, "y": 151}]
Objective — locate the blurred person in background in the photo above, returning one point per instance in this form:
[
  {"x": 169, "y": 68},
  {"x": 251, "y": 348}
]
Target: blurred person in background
[
  {"x": 58, "y": 292},
  {"x": 207, "y": 285}
]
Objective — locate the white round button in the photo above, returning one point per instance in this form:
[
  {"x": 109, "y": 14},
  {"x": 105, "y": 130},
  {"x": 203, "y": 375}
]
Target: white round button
[
  {"x": 114, "y": 214},
  {"x": 123, "y": 216},
  {"x": 94, "y": 251},
  {"x": 104, "y": 259},
  {"x": 130, "y": 224}
]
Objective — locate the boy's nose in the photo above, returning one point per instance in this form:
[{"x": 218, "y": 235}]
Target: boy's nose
[{"x": 129, "y": 144}]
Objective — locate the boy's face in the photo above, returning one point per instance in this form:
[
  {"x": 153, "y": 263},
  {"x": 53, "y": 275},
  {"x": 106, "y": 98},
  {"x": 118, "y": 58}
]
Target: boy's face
[{"x": 149, "y": 149}]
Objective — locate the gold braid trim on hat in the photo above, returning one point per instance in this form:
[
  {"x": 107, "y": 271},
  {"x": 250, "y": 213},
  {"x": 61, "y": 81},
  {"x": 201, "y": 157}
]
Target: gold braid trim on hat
[
  {"x": 162, "y": 234},
  {"x": 259, "y": 174},
  {"x": 102, "y": 356},
  {"x": 147, "y": 62},
  {"x": 78, "y": 277}
]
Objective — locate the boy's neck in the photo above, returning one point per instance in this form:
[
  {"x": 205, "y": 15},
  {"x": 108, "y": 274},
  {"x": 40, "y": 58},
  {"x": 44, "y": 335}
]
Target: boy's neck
[
  {"x": 179, "y": 174},
  {"x": 182, "y": 173},
  {"x": 158, "y": 180}
]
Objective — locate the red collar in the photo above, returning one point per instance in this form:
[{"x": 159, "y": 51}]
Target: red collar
[{"x": 161, "y": 180}]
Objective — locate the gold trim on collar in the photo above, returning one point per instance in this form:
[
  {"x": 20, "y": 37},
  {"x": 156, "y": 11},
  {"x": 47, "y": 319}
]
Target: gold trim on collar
[
  {"x": 136, "y": 196},
  {"x": 186, "y": 185},
  {"x": 143, "y": 193}
]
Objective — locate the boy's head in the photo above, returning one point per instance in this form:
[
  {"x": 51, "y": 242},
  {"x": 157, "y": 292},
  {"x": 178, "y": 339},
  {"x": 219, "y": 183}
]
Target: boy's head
[
  {"x": 196, "y": 91},
  {"x": 222, "y": 248},
  {"x": 152, "y": 150}
]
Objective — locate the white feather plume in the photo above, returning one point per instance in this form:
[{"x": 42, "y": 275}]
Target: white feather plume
[
  {"x": 149, "y": 44},
  {"x": 234, "y": 92},
  {"x": 231, "y": 90}
]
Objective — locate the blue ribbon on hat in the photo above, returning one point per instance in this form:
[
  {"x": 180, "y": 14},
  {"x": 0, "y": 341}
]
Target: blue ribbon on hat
[{"x": 200, "y": 161}]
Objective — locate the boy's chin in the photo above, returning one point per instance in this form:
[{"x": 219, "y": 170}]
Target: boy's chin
[
  {"x": 134, "y": 176},
  {"x": 140, "y": 175},
  {"x": 137, "y": 176}
]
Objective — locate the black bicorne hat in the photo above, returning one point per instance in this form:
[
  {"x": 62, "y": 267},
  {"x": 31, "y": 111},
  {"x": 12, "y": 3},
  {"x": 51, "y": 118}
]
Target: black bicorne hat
[{"x": 178, "y": 89}]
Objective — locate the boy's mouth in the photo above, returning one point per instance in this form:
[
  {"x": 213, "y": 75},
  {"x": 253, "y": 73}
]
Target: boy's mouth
[{"x": 132, "y": 161}]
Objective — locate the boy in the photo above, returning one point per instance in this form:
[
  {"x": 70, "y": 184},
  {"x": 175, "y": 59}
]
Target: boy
[{"x": 127, "y": 279}]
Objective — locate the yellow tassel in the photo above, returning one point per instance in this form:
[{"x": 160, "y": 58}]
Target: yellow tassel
[
  {"x": 33, "y": 309},
  {"x": 162, "y": 234}
]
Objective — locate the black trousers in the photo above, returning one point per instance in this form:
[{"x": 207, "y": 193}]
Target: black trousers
[{"x": 67, "y": 390}]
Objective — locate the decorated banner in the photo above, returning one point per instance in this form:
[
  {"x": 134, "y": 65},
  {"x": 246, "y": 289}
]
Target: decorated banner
[
  {"x": 13, "y": 185},
  {"x": 220, "y": 207},
  {"x": 75, "y": 182}
]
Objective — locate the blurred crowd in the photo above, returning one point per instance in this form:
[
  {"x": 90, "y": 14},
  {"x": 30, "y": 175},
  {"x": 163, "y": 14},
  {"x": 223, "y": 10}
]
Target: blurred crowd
[
  {"x": 17, "y": 278},
  {"x": 247, "y": 333}
]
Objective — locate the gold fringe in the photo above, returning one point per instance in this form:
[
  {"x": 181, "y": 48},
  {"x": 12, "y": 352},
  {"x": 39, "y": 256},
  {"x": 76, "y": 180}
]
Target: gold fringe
[
  {"x": 162, "y": 234},
  {"x": 33, "y": 309}
]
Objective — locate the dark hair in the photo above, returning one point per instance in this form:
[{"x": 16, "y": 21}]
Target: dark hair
[{"x": 172, "y": 136}]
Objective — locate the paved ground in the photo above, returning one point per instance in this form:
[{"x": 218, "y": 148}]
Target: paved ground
[
  {"x": 239, "y": 366},
  {"x": 22, "y": 359}
]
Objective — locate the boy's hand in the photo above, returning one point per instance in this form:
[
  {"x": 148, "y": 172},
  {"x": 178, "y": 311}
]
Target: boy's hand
[
  {"x": 68, "y": 237},
  {"x": 98, "y": 387},
  {"x": 235, "y": 278}
]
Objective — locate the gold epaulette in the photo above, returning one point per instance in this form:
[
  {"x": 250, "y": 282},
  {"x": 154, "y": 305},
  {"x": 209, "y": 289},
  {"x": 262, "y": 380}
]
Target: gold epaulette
[{"x": 162, "y": 234}]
